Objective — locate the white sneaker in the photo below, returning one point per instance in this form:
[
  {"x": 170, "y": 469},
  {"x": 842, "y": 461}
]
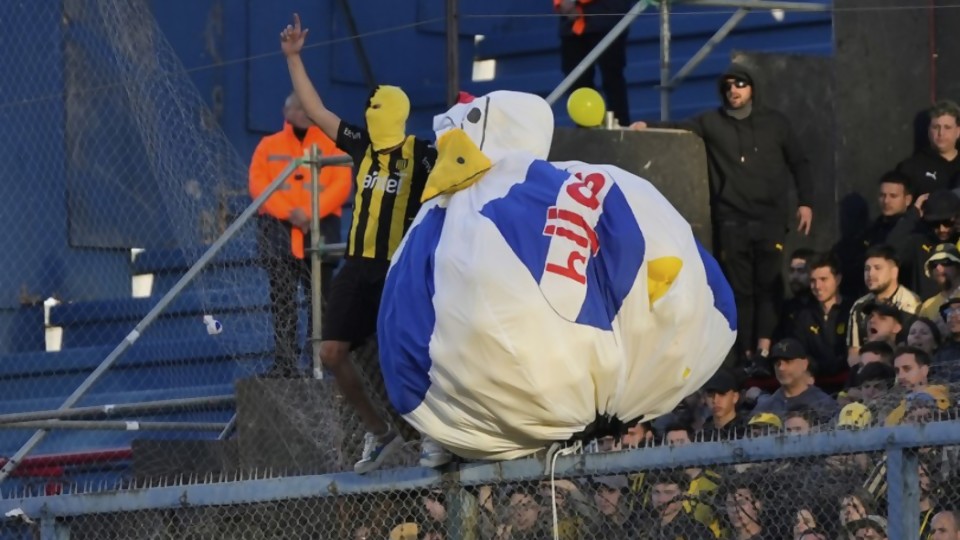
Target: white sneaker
[
  {"x": 433, "y": 455},
  {"x": 376, "y": 449}
]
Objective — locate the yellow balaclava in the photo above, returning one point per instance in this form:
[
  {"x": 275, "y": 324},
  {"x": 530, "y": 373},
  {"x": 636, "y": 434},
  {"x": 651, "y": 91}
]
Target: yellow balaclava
[{"x": 387, "y": 112}]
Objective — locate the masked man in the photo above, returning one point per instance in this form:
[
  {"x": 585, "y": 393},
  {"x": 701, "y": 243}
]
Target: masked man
[{"x": 391, "y": 171}]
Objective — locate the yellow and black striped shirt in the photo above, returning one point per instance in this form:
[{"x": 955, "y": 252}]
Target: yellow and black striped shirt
[{"x": 388, "y": 190}]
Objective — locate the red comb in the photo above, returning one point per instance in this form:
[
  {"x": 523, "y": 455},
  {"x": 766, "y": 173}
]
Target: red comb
[{"x": 464, "y": 97}]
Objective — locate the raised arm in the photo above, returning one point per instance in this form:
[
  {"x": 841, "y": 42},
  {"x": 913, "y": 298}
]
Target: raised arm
[{"x": 291, "y": 42}]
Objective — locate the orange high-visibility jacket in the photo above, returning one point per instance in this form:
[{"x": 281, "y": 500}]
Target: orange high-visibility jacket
[
  {"x": 335, "y": 182},
  {"x": 580, "y": 24}
]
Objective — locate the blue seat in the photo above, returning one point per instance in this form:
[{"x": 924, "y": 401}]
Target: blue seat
[
  {"x": 146, "y": 366},
  {"x": 107, "y": 322}
]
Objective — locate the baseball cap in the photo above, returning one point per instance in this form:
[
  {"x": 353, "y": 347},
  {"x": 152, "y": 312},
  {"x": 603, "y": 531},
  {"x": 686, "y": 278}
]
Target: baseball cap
[
  {"x": 612, "y": 482},
  {"x": 946, "y": 305},
  {"x": 941, "y": 205},
  {"x": 854, "y": 415},
  {"x": 722, "y": 382},
  {"x": 766, "y": 419},
  {"x": 787, "y": 349},
  {"x": 875, "y": 522},
  {"x": 883, "y": 308},
  {"x": 943, "y": 252}
]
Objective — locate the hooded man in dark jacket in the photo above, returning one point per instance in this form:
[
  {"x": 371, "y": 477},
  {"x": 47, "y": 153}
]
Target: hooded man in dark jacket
[{"x": 752, "y": 152}]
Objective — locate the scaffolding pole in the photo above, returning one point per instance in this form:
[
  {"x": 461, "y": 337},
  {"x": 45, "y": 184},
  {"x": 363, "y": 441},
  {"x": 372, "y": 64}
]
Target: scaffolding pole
[
  {"x": 145, "y": 407},
  {"x": 758, "y": 4},
  {"x": 116, "y": 425},
  {"x": 664, "y": 60},
  {"x": 668, "y": 83},
  {"x": 708, "y": 47}
]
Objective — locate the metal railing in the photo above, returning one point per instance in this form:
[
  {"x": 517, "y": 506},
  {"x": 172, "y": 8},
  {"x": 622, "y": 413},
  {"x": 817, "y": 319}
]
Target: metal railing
[
  {"x": 669, "y": 82},
  {"x": 51, "y": 515},
  {"x": 58, "y": 419}
]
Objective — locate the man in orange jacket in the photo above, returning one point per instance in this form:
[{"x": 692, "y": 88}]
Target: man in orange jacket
[{"x": 284, "y": 223}]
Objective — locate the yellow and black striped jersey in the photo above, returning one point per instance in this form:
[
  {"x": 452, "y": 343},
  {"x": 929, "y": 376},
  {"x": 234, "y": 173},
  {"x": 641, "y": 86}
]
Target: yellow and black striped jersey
[{"x": 388, "y": 190}]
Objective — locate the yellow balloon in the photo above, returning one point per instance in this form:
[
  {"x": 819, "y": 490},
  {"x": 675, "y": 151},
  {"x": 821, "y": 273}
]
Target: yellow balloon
[{"x": 586, "y": 107}]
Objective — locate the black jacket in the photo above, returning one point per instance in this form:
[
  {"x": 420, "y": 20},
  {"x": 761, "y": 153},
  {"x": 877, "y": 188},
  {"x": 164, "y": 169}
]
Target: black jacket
[
  {"x": 914, "y": 241},
  {"x": 751, "y": 160},
  {"x": 599, "y": 16},
  {"x": 930, "y": 172},
  {"x": 824, "y": 335},
  {"x": 735, "y": 429},
  {"x": 884, "y": 230}
]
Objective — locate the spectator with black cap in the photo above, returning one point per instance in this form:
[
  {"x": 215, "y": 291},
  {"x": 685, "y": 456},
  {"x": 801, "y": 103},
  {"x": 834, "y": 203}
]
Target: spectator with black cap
[
  {"x": 723, "y": 394},
  {"x": 885, "y": 322},
  {"x": 794, "y": 371},
  {"x": 947, "y": 358},
  {"x": 931, "y": 224}
]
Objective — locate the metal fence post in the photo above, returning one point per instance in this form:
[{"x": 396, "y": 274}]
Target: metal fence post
[
  {"x": 316, "y": 282},
  {"x": 903, "y": 493},
  {"x": 665, "y": 60},
  {"x": 51, "y": 530}
]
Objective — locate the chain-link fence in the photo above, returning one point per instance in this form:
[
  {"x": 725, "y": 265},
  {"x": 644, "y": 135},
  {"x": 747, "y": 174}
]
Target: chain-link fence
[
  {"x": 870, "y": 484},
  {"x": 118, "y": 180},
  {"x": 122, "y": 181}
]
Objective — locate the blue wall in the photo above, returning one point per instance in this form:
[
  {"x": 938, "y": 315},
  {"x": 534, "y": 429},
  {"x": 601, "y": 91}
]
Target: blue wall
[{"x": 231, "y": 52}]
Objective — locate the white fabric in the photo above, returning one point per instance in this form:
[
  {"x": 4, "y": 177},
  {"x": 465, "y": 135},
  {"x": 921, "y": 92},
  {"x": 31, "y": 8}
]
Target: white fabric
[{"x": 510, "y": 370}]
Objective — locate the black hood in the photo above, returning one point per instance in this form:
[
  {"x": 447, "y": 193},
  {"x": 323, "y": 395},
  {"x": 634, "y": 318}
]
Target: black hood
[{"x": 739, "y": 71}]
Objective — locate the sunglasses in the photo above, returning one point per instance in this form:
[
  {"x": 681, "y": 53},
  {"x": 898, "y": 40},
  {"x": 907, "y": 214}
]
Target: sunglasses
[{"x": 739, "y": 83}]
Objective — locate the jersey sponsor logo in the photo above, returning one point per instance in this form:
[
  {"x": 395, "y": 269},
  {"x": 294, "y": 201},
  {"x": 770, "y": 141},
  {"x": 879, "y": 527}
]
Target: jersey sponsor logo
[{"x": 387, "y": 184}]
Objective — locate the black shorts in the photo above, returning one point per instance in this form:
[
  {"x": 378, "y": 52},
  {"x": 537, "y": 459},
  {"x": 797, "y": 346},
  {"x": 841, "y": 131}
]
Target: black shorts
[{"x": 354, "y": 302}]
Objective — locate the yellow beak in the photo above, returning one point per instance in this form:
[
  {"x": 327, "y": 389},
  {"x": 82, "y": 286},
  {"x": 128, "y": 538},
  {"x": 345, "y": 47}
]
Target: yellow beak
[{"x": 459, "y": 165}]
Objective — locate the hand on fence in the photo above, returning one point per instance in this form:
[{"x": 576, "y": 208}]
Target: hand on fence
[{"x": 293, "y": 37}]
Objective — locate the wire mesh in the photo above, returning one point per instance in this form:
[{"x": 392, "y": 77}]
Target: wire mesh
[
  {"x": 149, "y": 181},
  {"x": 823, "y": 497}
]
